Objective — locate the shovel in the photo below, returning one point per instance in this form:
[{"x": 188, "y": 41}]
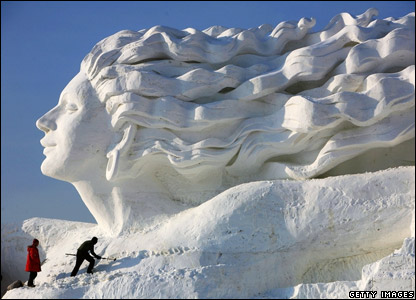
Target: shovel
[{"x": 109, "y": 258}]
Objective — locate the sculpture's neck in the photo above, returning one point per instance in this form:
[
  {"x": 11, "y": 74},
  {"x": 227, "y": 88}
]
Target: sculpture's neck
[{"x": 137, "y": 205}]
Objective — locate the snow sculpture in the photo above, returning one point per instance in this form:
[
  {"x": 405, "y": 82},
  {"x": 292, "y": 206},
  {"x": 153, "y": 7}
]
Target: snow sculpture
[
  {"x": 161, "y": 120},
  {"x": 177, "y": 141}
]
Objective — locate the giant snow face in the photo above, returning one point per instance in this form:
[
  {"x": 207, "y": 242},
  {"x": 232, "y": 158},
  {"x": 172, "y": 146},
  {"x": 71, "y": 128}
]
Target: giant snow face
[
  {"x": 185, "y": 114},
  {"x": 77, "y": 133}
]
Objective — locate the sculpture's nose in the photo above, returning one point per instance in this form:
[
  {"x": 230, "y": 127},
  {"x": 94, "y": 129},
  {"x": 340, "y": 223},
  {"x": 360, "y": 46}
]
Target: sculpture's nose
[{"x": 46, "y": 122}]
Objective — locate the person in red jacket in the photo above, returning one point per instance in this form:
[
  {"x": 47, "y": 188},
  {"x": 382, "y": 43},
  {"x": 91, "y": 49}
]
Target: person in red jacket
[{"x": 33, "y": 262}]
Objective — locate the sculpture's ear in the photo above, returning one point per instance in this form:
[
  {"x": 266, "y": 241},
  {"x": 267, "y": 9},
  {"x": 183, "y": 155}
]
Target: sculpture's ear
[{"x": 119, "y": 150}]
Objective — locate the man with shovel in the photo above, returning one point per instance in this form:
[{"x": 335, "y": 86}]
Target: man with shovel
[{"x": 82, "y": 253}]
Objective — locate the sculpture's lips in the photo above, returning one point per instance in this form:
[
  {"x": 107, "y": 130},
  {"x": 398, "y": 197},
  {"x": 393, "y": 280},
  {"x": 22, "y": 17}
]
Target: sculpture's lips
[
  {"x": 47, "y": 150},
  {"x": 47, "y": 144}
]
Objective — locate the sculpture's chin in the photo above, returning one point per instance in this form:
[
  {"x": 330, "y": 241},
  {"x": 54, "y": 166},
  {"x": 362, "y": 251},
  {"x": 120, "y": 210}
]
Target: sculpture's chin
[{"x": 53, "y": 171}]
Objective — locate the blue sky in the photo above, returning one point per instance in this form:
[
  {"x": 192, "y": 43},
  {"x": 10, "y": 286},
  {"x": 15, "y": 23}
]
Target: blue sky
[{"x": 43, "y": 43}]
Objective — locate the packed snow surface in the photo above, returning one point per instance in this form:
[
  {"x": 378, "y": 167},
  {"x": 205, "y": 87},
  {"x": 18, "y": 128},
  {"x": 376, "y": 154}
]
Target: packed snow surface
[
  {"x": 364, "y": 241},
  {"x": 199, "y": 154}
]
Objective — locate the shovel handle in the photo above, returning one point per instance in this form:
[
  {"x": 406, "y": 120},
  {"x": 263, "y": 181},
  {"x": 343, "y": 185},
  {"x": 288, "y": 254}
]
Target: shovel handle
[{"x": 110, "y": 258}]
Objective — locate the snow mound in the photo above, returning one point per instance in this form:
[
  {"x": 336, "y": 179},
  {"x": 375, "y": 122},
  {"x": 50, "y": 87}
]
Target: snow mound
[{"x": 325, "y": 237}]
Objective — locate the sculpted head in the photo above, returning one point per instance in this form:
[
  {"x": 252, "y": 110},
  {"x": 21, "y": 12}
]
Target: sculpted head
[
  {"x": 218, "y": 107},
  {"x": 156, "y": 101},
  {"x": 77, "y": 132}
]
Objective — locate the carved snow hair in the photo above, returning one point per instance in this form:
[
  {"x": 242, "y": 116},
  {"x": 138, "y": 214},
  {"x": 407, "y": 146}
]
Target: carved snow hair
[{"x": 271, "y": 102}]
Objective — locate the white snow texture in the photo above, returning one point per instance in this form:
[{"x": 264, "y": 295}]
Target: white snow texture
[{"x": 273, "y": 162}]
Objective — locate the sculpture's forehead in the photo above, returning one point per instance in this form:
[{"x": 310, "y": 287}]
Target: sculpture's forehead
[{"x": 79, "y": 87}]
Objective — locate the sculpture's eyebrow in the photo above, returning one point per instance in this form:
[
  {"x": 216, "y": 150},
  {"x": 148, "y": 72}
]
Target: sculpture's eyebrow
[
  {"x": 63, "y": 99},
  {"x": 69, "y": 97}
]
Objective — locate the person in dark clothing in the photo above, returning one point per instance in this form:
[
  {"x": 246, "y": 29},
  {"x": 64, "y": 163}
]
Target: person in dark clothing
[
  {"x": 32, "y": 262},
  {"x": 82, "y": 254}
]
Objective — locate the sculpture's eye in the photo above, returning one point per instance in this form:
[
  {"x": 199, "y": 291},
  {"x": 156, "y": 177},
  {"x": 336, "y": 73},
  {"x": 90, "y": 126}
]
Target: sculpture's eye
[{"x": 70, "y": 107}]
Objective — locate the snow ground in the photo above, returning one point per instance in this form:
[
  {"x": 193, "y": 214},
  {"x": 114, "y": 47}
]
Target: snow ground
[{"x": 143, "y": 271}]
